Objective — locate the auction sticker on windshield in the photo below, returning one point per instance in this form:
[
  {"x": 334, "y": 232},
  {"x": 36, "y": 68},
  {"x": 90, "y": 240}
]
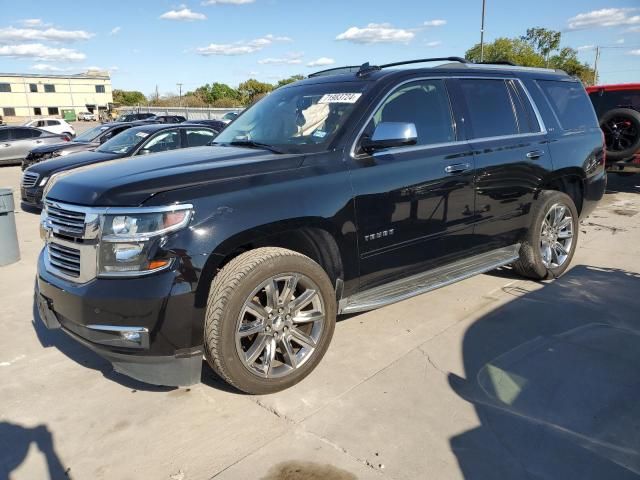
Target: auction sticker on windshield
[
  {"x": 142, "y": 134},
  {"x": 340, "y": 98}
]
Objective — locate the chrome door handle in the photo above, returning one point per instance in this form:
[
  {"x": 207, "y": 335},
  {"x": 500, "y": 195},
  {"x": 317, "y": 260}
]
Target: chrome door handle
[
  {"x": 535, "y": 154},
  {"x": 6, "y": 145},
  {"x": 38, "y": 141},
  {"x": 457, "y": 168}
]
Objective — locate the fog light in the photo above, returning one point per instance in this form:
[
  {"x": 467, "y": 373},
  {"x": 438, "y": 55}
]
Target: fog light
[{"x": 132, "y": 336}]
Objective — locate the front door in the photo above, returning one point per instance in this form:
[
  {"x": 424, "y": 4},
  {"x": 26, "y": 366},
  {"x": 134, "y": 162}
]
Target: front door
[{"x": 414, "y": 205}]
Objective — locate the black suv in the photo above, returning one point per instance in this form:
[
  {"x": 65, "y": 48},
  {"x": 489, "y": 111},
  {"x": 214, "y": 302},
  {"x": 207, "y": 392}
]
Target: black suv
[{"x": 341, "y": 193}]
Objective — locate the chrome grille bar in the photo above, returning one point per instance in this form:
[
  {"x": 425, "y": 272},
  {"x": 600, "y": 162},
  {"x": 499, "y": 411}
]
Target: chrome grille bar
[{"x": 29, "y": 179}]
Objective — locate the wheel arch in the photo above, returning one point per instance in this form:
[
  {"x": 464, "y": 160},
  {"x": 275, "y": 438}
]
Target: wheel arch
[{"x": 570, "y": 181}]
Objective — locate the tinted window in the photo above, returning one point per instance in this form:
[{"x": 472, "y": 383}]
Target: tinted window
[
  {"x": 5, "y": 87},
  {"x": 49, "y": 88},
  {"x": 425, "y": 104},
  {"x": 52, "y": 123},
  {"x": 160, "y": 142},
  {"x": 4, "y": 134},
  {"x": 197, "y": 137},
  {"x": 527, "y": 120},
  {"x": 490, "y": 108},
  {"x": 605, "y": 101},
  {"x": 21, "y": 133},
  {"x": 570, "y": 103}
]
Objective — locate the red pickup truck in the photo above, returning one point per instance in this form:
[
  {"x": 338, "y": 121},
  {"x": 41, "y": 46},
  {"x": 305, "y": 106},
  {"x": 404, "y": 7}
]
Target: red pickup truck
[{"x": 618, "y": 110}]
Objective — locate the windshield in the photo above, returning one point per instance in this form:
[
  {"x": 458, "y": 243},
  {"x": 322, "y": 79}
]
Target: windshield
[
  {"x": 91, "y": 135},
  {"x": 126, "y": 118},
  {"x": 297, "y": 119},
  {"x": 124, "y": 142}
]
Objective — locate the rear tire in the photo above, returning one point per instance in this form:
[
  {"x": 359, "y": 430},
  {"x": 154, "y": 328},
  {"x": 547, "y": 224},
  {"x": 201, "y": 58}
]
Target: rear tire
[
  {"x": 258, "y": 337},
  {"x": 621, "y": 127},
  {"x": 549, "y": 245}
]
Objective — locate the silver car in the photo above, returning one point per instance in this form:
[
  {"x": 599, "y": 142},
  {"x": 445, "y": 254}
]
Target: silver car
[{"x": 16, "y": 142}]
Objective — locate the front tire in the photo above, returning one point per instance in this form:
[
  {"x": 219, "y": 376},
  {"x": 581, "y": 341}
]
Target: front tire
[
  {"x": 549, "y": 245},
  {"x": 270, "y": 318}
]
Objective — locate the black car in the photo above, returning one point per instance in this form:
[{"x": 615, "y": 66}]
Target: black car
[
  {"x": 132, "y": 117},
  {"x": 89, "y": 140},
  {"x": 167, "y": 118},
  {"x": 217, "y": 125},
  {"x": 340, "y": 193},
  {"x": 137, "y": 140}
]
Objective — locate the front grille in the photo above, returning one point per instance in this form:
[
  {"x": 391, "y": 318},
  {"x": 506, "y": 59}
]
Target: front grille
[
  {"x": 29, "y": 179},
  {"x": 65, "y": 259},
  {"x": 65, "y": 221}
]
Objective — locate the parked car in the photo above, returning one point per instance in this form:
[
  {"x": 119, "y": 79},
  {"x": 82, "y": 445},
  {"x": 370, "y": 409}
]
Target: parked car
[
  {"x": 137, "y": 140},
  {"x": 53, "y": 125},
  {"x": 167, "y": 118},
  {"x": 15, "y": 142},
  {"x": 229, "y": 117},
  {"x": 217, "y": 125},
  {"x": 88, "y": 140},
  {"x": 133, "y": 117},
  {"x": 87, "y": 117},
  {"x": 618, "y": 110},
  {"x": 339, "y": 193}
]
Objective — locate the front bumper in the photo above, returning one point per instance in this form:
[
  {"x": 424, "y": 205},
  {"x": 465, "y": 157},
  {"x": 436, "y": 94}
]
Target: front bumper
[{"x": 146, "y": 327}]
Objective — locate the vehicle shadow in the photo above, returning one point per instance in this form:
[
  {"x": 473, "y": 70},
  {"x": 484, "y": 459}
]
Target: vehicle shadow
[
  {"x": 554, "y": 376},
  {"x": 15, "y": 442},
  {"x": 623, "y": 183},
  {"x": 84, "y": 355}
]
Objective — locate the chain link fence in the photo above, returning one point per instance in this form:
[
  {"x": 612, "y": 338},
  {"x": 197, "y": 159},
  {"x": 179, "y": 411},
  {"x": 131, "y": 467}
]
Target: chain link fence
[{"x": 190, "y": 113}]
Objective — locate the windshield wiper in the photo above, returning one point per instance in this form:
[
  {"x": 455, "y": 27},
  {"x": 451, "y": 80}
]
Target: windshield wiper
[{"x": 252, "y": 144}]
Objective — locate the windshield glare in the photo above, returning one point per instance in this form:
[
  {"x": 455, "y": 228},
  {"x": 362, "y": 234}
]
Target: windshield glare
[
  {"x": 91, "y": 135},
  {"x": 124, "y": 142},
  {"x": 296, "y": 119}
]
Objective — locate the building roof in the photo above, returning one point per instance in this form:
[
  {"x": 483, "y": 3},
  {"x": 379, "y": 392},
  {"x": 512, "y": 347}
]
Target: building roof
[{"x": 101, "y": 74}]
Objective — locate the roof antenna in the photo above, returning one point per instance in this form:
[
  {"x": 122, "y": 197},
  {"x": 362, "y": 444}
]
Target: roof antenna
[{"x": 366, "y": 68}]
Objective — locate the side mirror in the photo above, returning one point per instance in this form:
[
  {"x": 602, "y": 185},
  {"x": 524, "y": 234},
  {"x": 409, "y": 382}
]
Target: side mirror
[
  {"x": 391, "y": 134},
  {"x": 144, "y": 151}
]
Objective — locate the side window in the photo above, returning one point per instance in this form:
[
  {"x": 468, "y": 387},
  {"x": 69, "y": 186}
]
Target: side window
[
  {"x": 197, "y": 137},
  {"x": 160, "y": 142},
  {"x": 570, "y": 103},
  {"x": 527, "y": 120},
  {"x": 4, "y": 134},
  {"x": 490, "y": 108},
  {"x": 41, "y": 123},
  {"x": 424, "y": 103},
  {"x": 36, "y": 133},
  {"x": 53, "y": 123},
  {"x": 21, "y": 133}
]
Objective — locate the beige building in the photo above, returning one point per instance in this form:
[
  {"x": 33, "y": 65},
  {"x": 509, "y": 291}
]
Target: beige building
[{"x": 24, "y": 96}]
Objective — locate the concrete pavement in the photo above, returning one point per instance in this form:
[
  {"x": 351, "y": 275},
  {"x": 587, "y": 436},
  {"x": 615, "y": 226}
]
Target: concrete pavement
[{"x": 493, "y": 377}]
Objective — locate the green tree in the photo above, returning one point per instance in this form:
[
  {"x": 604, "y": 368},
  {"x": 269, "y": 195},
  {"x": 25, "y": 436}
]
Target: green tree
[
  {"x": 125, "y": 97},
  {"x": 287, "y": 81},
  {"x": 567, "y": 59},
  {"x": 216, "y": 91},
  {"x": 543, "y": 41},
  {"x": 250, "y": 89},
  {"x": 513, "y": 50}
]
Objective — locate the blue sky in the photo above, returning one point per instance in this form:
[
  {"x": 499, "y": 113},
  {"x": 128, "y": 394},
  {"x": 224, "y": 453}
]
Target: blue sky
[{"x": 157, "y": 42}]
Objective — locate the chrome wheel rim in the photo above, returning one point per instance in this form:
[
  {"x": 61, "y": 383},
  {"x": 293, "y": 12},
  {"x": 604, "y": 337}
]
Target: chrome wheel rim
[
  {"x": 556, "y": 236},
  {"x": 280, "y": 325}
]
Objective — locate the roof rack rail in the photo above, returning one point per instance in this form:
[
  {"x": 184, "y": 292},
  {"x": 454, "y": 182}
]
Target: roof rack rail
[
  {"x": 499, "y": 62},
  {"x": 366, "y": 68},
  {"x": 425, "y": 60},
  {"x": 336, "y": 70}
]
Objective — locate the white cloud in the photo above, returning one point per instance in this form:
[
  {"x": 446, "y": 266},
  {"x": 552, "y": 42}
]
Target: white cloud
[
  {"x": 435, "y": 23},
  {"x": 321, "y": 62},
  {"x": 240, "y": 48},
  {"x": 11, "y": 34},
  {"x": 634, "y": 52},
  {"x": 620, "y": 41},
  {"x": 605, "y": 17},
  {"x": 435, "y": 43},
  {"x": 227, "y": 2},
  {"x": 633, "y": 29},
  {"x": 184, "y": 14},
  {"x": 585, "y": 47},
  {"x": 45, "y": 67},
  {"x": 115, "y": 30},
  {"x": 376, "y": 33},
  {"x": 290, "y": 59},
  {"x": 42, "y": 52},
  {"x": 32, "y": 22}
]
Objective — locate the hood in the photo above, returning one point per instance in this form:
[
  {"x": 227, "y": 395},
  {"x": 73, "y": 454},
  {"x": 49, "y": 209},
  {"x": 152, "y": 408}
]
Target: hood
[
  {"x": 57, "y": 164},
  {"x": 131, "y": 181},
  {"x": 55, "y": 147}
]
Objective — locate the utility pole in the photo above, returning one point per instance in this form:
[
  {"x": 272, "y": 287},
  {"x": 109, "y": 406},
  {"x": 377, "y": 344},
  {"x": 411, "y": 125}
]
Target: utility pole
[
  {"x": 157, "y": 94},
  {"x": 482, "y": 33},
  {"x": 595, "y": 66},
  {"x": 180, "y": 94}
]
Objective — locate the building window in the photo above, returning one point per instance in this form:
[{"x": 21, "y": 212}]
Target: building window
[
  {"x": 33, "y": 88},
  {"x": 49, "y": 87},
  {"x": 5, "y": 87},
  {"x": 9, "y": 112},
  {"x": 53, "y": 111},
  {"x": 99, "y": 88},
  {"x": 37, "y": 111}
]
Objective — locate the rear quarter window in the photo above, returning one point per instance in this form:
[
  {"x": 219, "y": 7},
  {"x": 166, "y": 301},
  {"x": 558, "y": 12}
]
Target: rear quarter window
[{"x": 570, "y": 103}]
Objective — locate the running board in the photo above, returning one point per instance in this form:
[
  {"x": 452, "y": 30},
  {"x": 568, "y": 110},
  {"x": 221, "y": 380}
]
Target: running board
[{"x": 426, "y": 281}]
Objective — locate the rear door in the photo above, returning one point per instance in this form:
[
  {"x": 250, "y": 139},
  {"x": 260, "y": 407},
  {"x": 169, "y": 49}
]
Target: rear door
[
  {"x": 414, "y": 205},
  {"x": 511, "y": 151},
  {"x": 23, "y": 141}
]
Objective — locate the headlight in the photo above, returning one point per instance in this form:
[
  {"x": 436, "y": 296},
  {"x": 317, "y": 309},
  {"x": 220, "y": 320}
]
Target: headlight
[
  {"x": 43, "y": 182},
  {"x": 61, "y": 153},
  {"x": 130, "y": 243}
]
